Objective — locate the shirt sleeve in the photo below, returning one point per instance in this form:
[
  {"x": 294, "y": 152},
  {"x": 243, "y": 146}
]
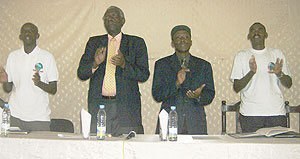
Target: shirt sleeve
[
  {"x": 285, "y": 68},
  {"x": 8, "y": 69},
  {"x": 52, "y": 70},
  {"x": 237, "y": 72}
]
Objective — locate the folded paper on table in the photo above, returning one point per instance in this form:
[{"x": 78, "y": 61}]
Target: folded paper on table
[
  {"x": 85, "y": 123},
  {"x": 163, "y": 122},
  {"x": 17, "y": 130},
  {"x": 267, "y": 132}
]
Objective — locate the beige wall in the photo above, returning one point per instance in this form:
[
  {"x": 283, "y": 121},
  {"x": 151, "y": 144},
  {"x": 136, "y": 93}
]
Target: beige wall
[{"x": 219, "y": 30}]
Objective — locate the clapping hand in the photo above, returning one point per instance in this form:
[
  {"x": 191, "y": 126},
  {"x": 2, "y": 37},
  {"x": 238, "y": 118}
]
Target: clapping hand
[
  {"x": 118, "y": 60},
  {"x": 278, "y": 66},
  {"x": 99, "y": 56},
  {"x": 181, "y": 75},
  {"x": 196, "y": 93},
  {"x": 3, "y": 75},
  {"x": 36, "y": 78},
  {"x": 252, "y": 64}
]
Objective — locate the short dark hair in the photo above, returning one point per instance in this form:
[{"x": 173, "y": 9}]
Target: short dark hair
[
  {"x": 34, "y": 26},
  {"x": 257, "y": 23},
  {"x": 180, "y": 27}
]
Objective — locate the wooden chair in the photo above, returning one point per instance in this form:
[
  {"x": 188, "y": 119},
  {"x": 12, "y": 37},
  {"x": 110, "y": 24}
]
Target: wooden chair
[
  {"x": 291, "y": 109},
  {"x": 235, "y": 108},
  {"x": 230, "y": 108}
]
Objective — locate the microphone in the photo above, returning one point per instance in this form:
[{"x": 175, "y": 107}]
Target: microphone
[
  {"x": 271, "y": 67},
  {"x": 38, "y": 67},
  {"x": 130, "y": 135}
]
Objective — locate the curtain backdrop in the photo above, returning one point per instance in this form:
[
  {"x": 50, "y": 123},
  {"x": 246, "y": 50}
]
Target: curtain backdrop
[{"x": 219, "y": 31}]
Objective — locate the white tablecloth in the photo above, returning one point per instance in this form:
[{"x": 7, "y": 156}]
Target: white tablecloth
[{"x": 48, "y": 145}]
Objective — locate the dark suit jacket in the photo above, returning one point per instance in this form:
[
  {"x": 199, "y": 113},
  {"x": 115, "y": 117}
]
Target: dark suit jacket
[
  {"x": 136, "y": 70},
  {"x": 2, "y": 103},
  {"x": 164, "y": 90}
]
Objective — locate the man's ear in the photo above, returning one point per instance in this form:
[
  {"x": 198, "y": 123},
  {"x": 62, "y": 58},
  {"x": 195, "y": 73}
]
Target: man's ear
[
  {"x": 172, "y": 44},
  {"x": 248, "y": 37},
  {"x": 38, "y": 35},
  {"x": 123, "y": 21},
  {"x": 267, "y": 35}
]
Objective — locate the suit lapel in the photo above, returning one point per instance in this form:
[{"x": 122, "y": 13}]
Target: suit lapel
[
  {"x": 191, "y": 64},
  {"x": 124, "y": 45},
  {"x": 174, "y": 63},
  {"x": 105, "y": 41},
  {"x": 124, "y": 49}
]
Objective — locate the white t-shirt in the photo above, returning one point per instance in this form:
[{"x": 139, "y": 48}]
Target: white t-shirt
[
  {"x": 263, "y": 95},
  {"x": 27, "y": 101}
]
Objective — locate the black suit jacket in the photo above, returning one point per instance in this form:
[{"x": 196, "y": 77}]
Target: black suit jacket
[
  {"x": 164, "y": 90},
  {"x": 136, "y": 70}
]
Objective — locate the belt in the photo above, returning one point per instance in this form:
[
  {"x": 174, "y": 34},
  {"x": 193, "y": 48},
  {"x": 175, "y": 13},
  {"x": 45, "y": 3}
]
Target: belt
[{"x": 109, "y": 97}]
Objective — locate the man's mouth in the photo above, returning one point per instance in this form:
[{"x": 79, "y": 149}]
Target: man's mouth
[
  {"x": 256, "y": 36},
  {"x": 182, "y": 44}
]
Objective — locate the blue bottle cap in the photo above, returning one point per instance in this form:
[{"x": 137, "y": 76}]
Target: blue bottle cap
[
  {"x": 173, "y": 107},
  {"x": 101, "y": 106},
  {"x": 6, "y": 105}
]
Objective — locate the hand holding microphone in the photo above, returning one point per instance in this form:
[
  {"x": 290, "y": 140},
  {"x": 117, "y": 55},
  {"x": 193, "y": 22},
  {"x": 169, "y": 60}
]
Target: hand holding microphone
[
  {"x": 275, "y": 67},
  {"x": 36, "y": 76}
]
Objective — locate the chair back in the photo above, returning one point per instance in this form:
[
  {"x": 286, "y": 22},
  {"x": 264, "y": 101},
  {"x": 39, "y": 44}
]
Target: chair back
[
  {"x": 230, "y": 108},
  {"x": 291, "y": 109},
  {"x": 61, "y": 125}
]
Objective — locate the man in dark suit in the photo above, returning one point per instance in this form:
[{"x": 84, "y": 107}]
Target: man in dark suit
[
  {"x": 114, "y": 75},
  {"x": 184, "y": 81}
]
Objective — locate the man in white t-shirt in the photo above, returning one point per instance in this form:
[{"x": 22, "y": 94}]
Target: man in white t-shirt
[
  {"x": 30, "y": 75},
  {"x": 258, "y": 74}
]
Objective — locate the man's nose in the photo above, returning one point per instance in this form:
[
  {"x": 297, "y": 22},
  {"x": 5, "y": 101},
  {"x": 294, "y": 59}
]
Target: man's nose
[
  {"x": 27, "y": 33},
  {"x": 256, "y": 31},
  {"x": 182, "y": 39},
  {"x": 110, "y": 19}
]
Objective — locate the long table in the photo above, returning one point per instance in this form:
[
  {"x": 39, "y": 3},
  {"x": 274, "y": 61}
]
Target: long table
[{"x": 54, "y": 145}]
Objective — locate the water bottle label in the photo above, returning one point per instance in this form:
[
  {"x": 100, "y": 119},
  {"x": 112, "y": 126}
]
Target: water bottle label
[
  {"x": 5, "y": 127},
  {"x": 101, "y": 131},
  {"x": 172, "y": 132}
]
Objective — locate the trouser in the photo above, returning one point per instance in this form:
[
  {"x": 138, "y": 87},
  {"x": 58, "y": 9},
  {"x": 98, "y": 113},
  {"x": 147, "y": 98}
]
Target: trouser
[
  {"x": 253, "y": 123},
  {"x": 30, "y": 125},
  {"x": 113, "y": 126}
]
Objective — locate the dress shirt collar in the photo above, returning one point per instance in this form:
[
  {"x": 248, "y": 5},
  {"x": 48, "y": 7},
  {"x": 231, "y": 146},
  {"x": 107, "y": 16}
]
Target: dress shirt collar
[
  {"x": 187, "y": 58},
  {"x": 117, "y": 37}
]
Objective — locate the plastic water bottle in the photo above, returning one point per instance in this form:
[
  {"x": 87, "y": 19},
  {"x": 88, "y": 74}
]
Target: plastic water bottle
[
  {"x": 101, "y": 123},
  {"x": 5, "y": 125},
  {"x": 173, "y": 128}
]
